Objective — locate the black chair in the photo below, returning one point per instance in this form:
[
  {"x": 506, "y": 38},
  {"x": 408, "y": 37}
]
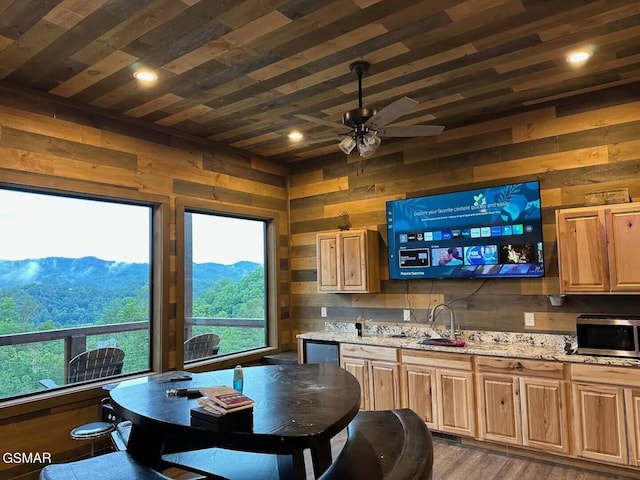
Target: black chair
[
  {"x": 112, "y": 466},
  {"x": 385, "y": 445},
  {"x": 91, "y": 365},
  {"x": 201, "y": 346}
]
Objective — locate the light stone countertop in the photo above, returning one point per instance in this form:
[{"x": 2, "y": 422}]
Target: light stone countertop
[{"x": 496, "y": 344}]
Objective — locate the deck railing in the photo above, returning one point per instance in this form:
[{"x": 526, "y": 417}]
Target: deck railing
[{"x": 75, "y": 338}]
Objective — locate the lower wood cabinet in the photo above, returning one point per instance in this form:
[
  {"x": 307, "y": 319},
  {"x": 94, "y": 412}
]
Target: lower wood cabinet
[
  {"x": 454, "y": 403},
  {"x": 499, "y": 417},
  {"x": 600, "y": 423},
  {"x": 418, "y": 392},
  {"x": 377, "y": 371},
  {"x": 544, "y": 414},
  {"x": 523, "y": 402},
  {"x": 632, "y": 401},
  {"x": 358, "y": 367},
  {"x": 439, "y": 388}
]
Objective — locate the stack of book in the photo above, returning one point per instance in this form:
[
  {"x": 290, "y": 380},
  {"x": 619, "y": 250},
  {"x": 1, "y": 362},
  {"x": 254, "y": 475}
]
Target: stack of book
[{"x": 223, "y": 408}]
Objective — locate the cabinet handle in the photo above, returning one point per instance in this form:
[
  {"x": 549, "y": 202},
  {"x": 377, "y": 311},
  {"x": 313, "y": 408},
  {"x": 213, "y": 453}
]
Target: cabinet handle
[{"x": 519, "y": 366}]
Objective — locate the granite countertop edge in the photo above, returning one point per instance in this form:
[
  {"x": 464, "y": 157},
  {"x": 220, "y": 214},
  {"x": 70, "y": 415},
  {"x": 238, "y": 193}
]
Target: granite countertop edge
[{"x": 494, "y": 349}]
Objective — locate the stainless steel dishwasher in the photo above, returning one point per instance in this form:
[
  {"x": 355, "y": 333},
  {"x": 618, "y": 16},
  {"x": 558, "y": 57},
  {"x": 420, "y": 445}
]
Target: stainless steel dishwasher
[{"x": 318, "y": 351}]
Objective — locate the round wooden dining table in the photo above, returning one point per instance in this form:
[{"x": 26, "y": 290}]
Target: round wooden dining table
[{"x": 296, "y": 407}]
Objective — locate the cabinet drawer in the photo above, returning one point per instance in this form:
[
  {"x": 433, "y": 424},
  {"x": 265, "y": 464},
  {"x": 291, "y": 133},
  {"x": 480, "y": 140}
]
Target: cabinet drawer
[
  {"x": 617, "y": 376},
  {"x": 369, "y": 352},
  {"x": 437, "y": 359},
  {"x": 520, "y": 366}
]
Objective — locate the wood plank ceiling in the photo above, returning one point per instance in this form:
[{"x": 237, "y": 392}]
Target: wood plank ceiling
[{"x": 238, "y": 72}]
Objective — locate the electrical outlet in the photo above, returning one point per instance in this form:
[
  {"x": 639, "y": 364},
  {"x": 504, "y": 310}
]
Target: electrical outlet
[
  {"x": 529, "y": 319},
  {"x": 323, "y": 312},
  {"x": 406, "y": 315}
]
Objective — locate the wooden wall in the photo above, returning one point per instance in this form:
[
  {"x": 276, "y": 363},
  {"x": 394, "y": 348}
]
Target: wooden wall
[
  {"x": 572, "y": 146},
  {"x": 46, "y": 143}
]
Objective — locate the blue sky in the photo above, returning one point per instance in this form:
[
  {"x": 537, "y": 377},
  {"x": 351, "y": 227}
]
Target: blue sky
[{"x": 39, "y": 226}]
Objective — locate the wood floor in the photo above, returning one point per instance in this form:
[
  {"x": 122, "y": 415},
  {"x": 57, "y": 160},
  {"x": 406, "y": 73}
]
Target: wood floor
[{"x": 453, "y": 461}]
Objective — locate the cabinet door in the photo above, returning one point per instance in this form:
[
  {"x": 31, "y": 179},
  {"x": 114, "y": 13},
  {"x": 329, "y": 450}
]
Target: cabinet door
[
  {"x": 499, "y": 408},
  {"x": 582, "y": 251},
  {"x": 327, "y": 261},
  {"x": 359, "y": 369},
  {"x": 418, "y": 392},
  {"x": 455, "y": 402},
  {"x": 544, "y": 414},
  {"x": 632, "y": 399},
  {"x": 353, "y": 256},
  {"x": 599, "y": 422},
  {"x": 385, "y": 388},
  {"x": 623, "y": 230}
]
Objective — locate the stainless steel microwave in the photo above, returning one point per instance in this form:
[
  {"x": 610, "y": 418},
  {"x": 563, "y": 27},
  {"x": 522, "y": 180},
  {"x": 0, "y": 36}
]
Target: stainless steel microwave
[{"x": 615, "y": 335}]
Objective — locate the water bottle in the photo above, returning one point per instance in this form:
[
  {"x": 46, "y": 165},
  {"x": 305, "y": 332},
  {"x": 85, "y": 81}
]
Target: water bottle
[{"x": 238, "y": 379}]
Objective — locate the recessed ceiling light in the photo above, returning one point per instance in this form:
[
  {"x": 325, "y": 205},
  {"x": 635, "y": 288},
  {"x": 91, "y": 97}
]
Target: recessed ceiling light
[
  {"x": 146, "y": 76},
  {"x": 579, "y": 56},
  {"x": 295, "y": 136}
]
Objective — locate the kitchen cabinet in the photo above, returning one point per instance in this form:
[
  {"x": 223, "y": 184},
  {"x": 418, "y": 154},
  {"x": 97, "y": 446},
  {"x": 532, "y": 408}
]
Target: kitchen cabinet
[
  {"x": 523, "y": 402},
  {"x": 348, "y": 261},
  {"x": 632, "y": 402},
  {"x": 439, "y": 388},
  {"x": 544, "y": 414},
  {"x": 605, "y": 429},
  {"x": 499, "y": 416},
  {"x": 419, "y": 390},
  {"x": 358, "y": 368},
  {"x": 377, "y": 371},
  {"x": 593, "y": 249},
  {"x": 600, "y": 424}
]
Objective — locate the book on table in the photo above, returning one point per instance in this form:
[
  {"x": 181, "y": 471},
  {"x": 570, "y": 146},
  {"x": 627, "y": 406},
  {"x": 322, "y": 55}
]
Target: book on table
[{"x": 222, "y": 400}]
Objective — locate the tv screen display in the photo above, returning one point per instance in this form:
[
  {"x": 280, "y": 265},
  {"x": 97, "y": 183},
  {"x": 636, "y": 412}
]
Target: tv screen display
[{"x": 489, "y": 232}]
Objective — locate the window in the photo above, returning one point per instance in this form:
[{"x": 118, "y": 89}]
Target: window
[
  {"x": 75, "y": 275},
  {"x": 225, "y": 280}
]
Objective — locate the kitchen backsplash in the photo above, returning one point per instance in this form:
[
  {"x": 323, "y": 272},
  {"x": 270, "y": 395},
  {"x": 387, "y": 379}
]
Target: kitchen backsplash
[{"x": 480, "y": 336}]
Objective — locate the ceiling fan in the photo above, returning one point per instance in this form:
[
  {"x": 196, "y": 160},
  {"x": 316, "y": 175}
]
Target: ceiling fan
[{"x": 367, "y": 127}]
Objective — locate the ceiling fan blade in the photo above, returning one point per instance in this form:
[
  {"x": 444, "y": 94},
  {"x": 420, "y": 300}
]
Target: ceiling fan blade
[
  {"x": 411, "y": 131},
  {"x": 389, "y": 113},
  {"x": 320, "y": 121}
]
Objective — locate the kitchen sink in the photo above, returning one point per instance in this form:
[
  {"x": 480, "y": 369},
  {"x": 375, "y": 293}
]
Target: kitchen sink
[{"x": 443, "y": 342}]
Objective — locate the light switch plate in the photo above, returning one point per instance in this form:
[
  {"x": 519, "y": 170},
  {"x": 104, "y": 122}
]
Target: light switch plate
[
  {"x": 323, "y": 312},
  {"x": 406, "y": 315},
  {"x": 529, "y": 319}
]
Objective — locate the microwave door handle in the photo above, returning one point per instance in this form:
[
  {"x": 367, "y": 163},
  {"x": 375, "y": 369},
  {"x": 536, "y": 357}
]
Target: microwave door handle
[{"x": 635, "y": 340}]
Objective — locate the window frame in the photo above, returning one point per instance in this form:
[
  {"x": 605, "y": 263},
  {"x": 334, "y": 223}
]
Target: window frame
[
  {"x": 159, "y": 288},
  {"x": 271, "y": 218}
]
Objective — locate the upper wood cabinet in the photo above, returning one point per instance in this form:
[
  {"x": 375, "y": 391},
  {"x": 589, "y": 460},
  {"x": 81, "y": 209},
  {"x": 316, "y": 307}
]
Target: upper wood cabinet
[
  {"x": 348, "y": 261},
  {"x": 593, "y": 249}
]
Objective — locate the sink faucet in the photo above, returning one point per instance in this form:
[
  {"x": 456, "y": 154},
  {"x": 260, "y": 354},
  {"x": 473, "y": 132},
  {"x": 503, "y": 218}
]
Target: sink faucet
[{"x": 444, "y": 306}]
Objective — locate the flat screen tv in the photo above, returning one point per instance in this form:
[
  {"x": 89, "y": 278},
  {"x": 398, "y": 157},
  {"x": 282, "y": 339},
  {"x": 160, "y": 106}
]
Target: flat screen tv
[{"x": 493, "y": 232}]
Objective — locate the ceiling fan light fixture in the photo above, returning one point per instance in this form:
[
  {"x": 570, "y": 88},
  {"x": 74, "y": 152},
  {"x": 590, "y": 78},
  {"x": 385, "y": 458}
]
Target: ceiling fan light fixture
[
  {"x": 366, "y": 150},
  {"x": 371, "y": 139},
  {"x": 347, "y": 144}
]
